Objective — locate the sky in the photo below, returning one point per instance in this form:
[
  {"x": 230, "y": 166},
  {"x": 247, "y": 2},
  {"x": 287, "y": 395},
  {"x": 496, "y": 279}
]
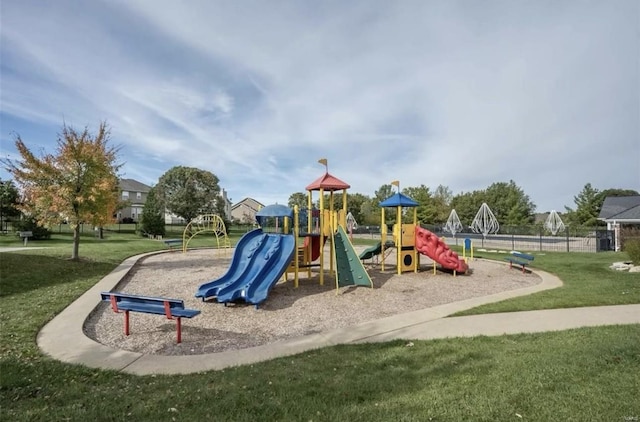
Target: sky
[{"x": 456, "y": 93}]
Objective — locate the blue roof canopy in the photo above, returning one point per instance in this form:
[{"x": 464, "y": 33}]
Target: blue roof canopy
[
  {"x": 398, "y": 200},
  {"x": 275, "y": 210}
]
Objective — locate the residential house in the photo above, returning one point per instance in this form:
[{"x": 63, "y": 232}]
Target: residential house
[
  {"x": 134, "y": 193},
  {"x": 620, "y": 210},
  {"x": 245, "y": 211},
  {"x": 227, "y": 204}
]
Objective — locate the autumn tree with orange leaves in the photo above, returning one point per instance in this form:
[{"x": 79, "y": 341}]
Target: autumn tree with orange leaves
[{"x": 77, "y": 184}]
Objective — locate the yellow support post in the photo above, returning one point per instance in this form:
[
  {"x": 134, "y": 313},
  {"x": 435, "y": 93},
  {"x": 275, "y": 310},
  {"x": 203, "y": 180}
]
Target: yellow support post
[
  {"x": 296, "y": 231},
  {"x": 332, "y": 225},
  {"x": 309, "y": 213},
  {"x": 399, "y": 238},
  {"x": 309, "y": 227},
  {"x": 416, "y": 256},
  {"x": 383, "y": 236},
  {"x": 321, "y": 234}
]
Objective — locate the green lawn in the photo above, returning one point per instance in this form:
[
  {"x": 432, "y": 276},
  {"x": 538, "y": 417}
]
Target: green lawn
[
  {"x": 587, "y": 279},
  {"x": 582, "y": 375}
]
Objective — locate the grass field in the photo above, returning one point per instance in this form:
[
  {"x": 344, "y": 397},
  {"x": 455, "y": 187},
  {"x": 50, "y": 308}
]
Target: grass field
[
  {"x": 582, "y": 375},
  {"x": 587, "y": 279}
]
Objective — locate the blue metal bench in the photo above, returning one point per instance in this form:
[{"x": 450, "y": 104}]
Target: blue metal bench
[
  {"x": 519, "y": 258},
  {"x": 171, "y": 243},
  {"x": 171, "y": 308}
]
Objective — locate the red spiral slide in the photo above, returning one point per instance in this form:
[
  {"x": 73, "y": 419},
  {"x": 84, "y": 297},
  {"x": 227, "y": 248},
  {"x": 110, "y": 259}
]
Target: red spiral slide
[{"x": 430, "y": 245}]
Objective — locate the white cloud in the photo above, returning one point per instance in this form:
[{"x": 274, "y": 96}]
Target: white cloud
[{"x": 425, "y": 92}]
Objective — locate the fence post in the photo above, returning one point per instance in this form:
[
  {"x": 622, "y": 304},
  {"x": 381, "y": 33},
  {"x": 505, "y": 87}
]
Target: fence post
[
  {"x": 513, "y": 242},
  {"x": 567, "y": 232},
  {"x": 540, "y": 234}
]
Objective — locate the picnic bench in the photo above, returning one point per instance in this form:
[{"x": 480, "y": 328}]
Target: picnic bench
[
  {"x": 171, "y": 243},
  {"x": 25, "y": 236},
  {"x": 519, "y": 258},
  {"x": 171, "y": 308}
]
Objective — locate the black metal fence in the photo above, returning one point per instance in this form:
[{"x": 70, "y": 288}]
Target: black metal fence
[
  {"x": 525, "y": 238},
  {"x": 174, "y": 229},
  {"x": 537, "y": 239}
]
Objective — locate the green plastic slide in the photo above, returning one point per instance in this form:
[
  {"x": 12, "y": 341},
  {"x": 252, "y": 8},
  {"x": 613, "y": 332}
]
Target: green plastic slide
[
  {"x": 371, "y": 251},
  {"x": 349, "y": 268}
]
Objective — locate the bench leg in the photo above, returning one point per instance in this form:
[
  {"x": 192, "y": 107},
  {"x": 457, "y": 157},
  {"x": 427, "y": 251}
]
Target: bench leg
[
  {"x": 179, "y": 329},
  {"x": 126, "y": 323}
]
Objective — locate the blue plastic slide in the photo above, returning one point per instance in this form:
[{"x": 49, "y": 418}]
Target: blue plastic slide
[
  {"x": 257, "y": 265},
  {"x": 242, "y": 256}
]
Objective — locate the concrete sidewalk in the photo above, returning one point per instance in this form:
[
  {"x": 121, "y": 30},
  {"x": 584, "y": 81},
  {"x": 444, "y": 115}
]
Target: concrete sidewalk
[
  {"x": 22, "y": 248},
  {"x": 63, "y": 337}
]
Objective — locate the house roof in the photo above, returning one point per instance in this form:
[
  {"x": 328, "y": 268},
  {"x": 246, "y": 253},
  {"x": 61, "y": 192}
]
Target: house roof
[
  {"x": 630, "y": 214},
  {"x": 328, "y": 182},
  {"x": 620, "y": 208},
  {"x": 249, "y": 202},
  {"x": 131, "y": 185}
]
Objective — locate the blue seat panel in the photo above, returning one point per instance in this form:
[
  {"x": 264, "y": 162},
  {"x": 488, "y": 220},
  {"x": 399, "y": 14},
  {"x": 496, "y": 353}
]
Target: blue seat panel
[
  {"x": 517, "y": 261},
  {"x": 149, "y": 305},
  {"x": 524, "y": 256}
]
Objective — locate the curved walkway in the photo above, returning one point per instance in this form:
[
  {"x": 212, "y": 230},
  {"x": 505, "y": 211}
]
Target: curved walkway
[{"x": 63, "y": 337}]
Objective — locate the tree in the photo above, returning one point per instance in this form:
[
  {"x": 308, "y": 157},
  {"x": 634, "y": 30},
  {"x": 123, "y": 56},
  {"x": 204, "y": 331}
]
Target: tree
[
  {"x": 370, "y": 213},
  {"x": 587, "y": 207},
  {"x": 188, "y": 192},
  {"x": 152, "y": 221},
  {"x": 442, "y": 198},
  {"x": 221, "y": 210},
  {"x": 510, "y": 205},
  {"x": 298, "y": 198},
  {"x": 380, "y": 195},
  {"x": 589, "y": 203},
  {"x": 9, "y": 201},
  {"x": 355, "y": 202},
  {"x": 426, "y": 209},
  {"x": 78, "y": 184},
  {"x": 467, "y": 205}
]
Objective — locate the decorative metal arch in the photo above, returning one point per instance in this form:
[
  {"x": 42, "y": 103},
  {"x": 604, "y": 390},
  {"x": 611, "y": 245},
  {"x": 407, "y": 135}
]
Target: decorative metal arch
[
  {"x": 453, "y": 225},
  {"x": 554, "y": 223},
  {"x": 485, "y": 222},
  {"x": 204, "y": 224}
]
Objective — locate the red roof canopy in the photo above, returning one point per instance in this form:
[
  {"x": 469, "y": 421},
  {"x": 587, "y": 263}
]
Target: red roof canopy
[{"x": 328, "y": 182}]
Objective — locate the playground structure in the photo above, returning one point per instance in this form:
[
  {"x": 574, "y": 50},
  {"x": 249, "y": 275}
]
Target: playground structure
[
  {"x": 260, "y": 259},
  {"x": 206, "y": 223},
  {"x": 410, "y": 240}
]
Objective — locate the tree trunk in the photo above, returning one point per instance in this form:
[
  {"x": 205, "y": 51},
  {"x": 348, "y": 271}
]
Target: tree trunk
[{"x": 76, "y": 243}]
